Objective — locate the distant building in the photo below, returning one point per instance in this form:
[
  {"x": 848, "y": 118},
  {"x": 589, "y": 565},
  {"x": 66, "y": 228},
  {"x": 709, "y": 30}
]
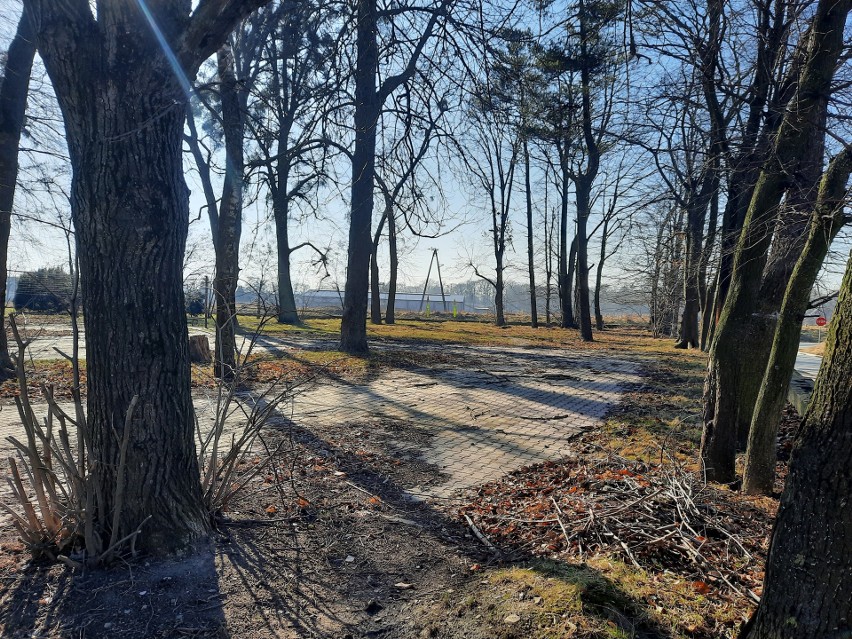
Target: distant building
[{"x": 332, "y": 299}]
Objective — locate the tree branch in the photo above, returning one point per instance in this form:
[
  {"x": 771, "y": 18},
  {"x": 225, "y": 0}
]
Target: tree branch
[
  {"x": 392, "y": 83},
  {"x": 209, "y": 26}
]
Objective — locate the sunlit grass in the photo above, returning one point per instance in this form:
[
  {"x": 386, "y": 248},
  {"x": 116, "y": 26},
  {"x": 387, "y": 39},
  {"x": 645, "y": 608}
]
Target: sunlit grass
[
  {"x": 602, "y": 598},
  {"x": 475, "y": 331}
]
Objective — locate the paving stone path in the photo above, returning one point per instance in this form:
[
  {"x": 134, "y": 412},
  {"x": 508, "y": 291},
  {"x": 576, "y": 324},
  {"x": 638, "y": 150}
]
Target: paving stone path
[
  {"x": 510, "y": 408},
  {"x": 502, "y": 409}
]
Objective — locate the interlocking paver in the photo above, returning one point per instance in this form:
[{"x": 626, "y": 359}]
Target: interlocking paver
[{"x": 513, "y": 408}]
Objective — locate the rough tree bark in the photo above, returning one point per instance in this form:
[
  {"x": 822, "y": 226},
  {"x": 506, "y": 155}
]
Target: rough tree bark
[
  {"x": 722, "y": 409},
  {"x": 809, "y": 569},
  {"x": 827, "y": 219},
  {"x": 123, "y": 102},
  {"x": 788, "y": 240},
  {"x": 229, "y": 227},
  {"x": 13, "y": 104}
]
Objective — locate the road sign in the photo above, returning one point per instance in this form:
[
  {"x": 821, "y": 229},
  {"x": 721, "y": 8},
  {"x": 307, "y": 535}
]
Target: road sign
[{"x": 820, "y": 321}]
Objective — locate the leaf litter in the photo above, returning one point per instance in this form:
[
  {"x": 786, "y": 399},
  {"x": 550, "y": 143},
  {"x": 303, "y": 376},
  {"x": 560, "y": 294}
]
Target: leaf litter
[{"x": 657, "y": 517}]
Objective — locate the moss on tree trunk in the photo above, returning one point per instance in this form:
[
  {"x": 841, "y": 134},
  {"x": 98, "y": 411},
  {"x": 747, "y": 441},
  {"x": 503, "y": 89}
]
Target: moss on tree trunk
[{"x": 809, "y": 570}]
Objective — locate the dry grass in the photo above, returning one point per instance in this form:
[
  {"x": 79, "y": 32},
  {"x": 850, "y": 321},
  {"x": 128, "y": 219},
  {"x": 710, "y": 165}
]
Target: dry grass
[
  {"x": 57, "y": 373},
  {"x": 474, "y": 331},
  {"x": 601, "y": 598},
  {"x": 816, "y": 349},
  {"x": 663, "y": 415}
]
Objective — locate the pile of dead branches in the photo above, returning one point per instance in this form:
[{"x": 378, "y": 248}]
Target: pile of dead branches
[{"x": 658, "y": 517}]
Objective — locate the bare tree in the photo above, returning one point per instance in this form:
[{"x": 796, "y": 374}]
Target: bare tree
[
  {"x": 13, "y": 102},
  {"x": 287, "y": 125},
  {"x": 493, "y": 162},
  {"x": 370, "y": 95}
]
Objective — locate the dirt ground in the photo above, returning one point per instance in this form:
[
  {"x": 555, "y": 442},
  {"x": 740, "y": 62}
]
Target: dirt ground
[{"x": 339, "y": 551}]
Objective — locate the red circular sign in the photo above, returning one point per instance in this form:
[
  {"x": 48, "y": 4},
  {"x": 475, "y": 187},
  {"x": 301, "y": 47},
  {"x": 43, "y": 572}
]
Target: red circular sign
[{"x": 820, "y": 321}]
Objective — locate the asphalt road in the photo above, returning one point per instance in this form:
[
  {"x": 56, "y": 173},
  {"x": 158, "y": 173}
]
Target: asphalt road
[{"x": 808, "y": 365}]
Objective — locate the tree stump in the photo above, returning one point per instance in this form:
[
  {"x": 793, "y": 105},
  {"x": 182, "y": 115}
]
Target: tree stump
[{"x": 199, "y": 349}]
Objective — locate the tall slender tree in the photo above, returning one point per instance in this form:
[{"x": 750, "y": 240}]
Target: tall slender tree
[
  {"x": 14, "y": 88},
  {"x": 370, "y": 95},
  {"x": 288, "y": 125}
]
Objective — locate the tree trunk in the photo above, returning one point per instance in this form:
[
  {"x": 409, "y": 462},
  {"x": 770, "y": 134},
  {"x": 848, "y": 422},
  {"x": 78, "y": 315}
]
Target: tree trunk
[
  {"x": 566, "y": 289},
  {"x": 530, "y": 252},
  {"x": 826, "y": 221},
  {"x": 123, "y": 105},
  {"x": 566, "y": 262},
  {"x": 583, "y": 193},
  {"x": 13, "y": 104},
  {"x": 655, "y": 311},
  {"x": 599, "y": 323},
  {"x": 375, "y": 293},
  {"x": 199, "y": 349},
  {"x": 583, "y": 182},
  {"x": 707, "y": 315},
  {"x": 498, "y": 295},
  {"x": 230, "y": 219},
  {"x": 548, "y": 267},
  {"x": 809, "y": 569},
  {"x": 353, "y": 326},
  {"x": 394, "y": 269},
  {"x": 130, "y": 206},
  {"x": 788, "y": 241},
  {"x": 760, "y": 325},
  {"x": 696, "y": 215},
  {"x": 734, "y": 330},
  {"x": 689, "y": 336},
  {"x": 708, "y": 291},
  {"x": 287, "y": 311},
  {"x": 764, "y": 116}
]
